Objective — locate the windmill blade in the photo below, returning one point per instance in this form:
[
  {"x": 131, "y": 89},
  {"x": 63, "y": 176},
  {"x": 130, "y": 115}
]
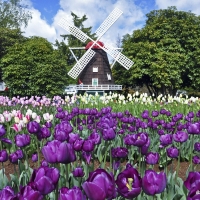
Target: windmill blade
[
  {"x": 73, "y": 30},
  {"x": 108, "y": 22},
  {"x": 119, "y": 57},
  {"x": 80, "y": 65}
]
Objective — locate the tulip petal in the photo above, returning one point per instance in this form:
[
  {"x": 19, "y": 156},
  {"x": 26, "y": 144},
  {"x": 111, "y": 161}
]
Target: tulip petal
[
  {"x": 93, "y": 191},
  {"x": 45, "y": 185}
]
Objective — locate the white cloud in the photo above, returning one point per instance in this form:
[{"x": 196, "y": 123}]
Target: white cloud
[
  {"x": 96, "y": 13},
  {"x": 39, "y": 27},
  {"x": 186, "y": 5}
]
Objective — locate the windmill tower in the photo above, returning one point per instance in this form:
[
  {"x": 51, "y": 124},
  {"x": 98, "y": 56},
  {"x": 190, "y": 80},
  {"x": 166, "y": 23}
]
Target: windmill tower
[{"x": 93, "y": 69}]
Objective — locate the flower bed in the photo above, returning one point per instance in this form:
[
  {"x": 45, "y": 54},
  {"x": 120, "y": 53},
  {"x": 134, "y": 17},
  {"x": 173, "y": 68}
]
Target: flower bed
[{"x": 66, "y": 138}]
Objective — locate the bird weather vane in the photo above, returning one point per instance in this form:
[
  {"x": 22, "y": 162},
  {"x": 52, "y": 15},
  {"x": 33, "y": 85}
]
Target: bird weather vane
[{"x": 103, "y": 28}]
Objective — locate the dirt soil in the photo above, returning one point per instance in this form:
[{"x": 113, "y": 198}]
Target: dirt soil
[{"x": 9, "y": 167}]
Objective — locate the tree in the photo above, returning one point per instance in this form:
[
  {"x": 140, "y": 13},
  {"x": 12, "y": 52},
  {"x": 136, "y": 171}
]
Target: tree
[
  {"x": 34, "y": 68},
  {"x": 164, "y": 51},
  {"x": 13, "y": 14},
  {"x": 74, "y": 42}
]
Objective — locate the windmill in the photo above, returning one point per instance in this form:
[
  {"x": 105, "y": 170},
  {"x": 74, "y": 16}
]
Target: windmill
[{"x": 93, "y": 69}]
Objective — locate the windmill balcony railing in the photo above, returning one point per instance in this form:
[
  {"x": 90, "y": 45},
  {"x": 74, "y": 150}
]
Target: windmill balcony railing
[{"x": 99, "y": 87}]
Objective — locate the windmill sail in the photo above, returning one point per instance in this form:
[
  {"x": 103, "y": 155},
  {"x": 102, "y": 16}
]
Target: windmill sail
[
  {"x": 73, "y": 30},
  {"x": 108, "y": 22},
  {"x": 85, "y": 59},
  {"x": 80, "y": 65}
]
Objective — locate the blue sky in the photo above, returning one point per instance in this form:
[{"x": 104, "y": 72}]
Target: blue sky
[{"x": 47, "y": 13}]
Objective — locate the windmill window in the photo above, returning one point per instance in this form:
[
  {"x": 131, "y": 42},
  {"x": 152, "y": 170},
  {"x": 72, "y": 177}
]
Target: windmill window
[
  {"x": 95, "y": 69},
  {"x": 95, "y": 81},
  {"x": 109, "y": 77}
]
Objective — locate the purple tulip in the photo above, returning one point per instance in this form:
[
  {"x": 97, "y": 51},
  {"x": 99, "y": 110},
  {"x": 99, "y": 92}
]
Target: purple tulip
[
  {"x": 27, "y": 192},
  {"x": 172, "y": 152},
  {"x": 192, "y": 179},
  {"x": 15, "y": 156},
  {"x": 60, "y": 115},
  {"x": 194, "y": 129},
  {"x": 145, "y": 114},
  {"x": 7, "y": 193},
  {"x": 45, "y": 132},
  {"x": 88, "y": 145},
  {"x": 45, "y": 179},
  {"x": 6, "y": 140},
  {"x": 59, "y": 109},
  {"x": 119, "y": 152},
  {"x": 87, "y": 156},
  {"x": 80, "y": 128},
  {"x": 34, "y": 157},
  {"x": 33, "y": 127},
  {"x": 108, "y": 134},
  {"x": 78, "y": 172},
  {"x": 102, "y": 183},
  {"x": 22, "y": 140},
  {"x": 144, "y": 148},
  {"x": 58, "y": 152},
  {"x": 48, "y": 124},
  {"x": 190, "y": 115},
  {"x": 3, "y": 155},
  {"x": 152, "y": 158},
  {"x": 163, "y": 111},
  {"x": 140, "y": 139},
  {"x": 128, "y": 139},
  {"x": 194, "y": 192},
  {"x": 73, "y": 137},
  {"x": 119, "y": 115},
  {"x": 198, "y": 113},
  {"x": 44, "y": 163},
  {"x": 20, "y": 154},
  {"x": 155, "y": 113},
  {"x": 177, "y": 117},
  {"x": 129, "y": 183},
  {"x": 153, "y": 183},
  {"x": 75, "y": 110},
  {"x": 196, "y": 160},
  {"x": 165, "y": 140},
  {"x": 71, "y": 194},
  {"x": 2, "y": 130},
  {"x": 95, "y": 137},
  {"x": 60, "y": 135},
  {"x": 161, "y": 132},
  {"x": 180, "y": 136},
  {"x": 197, "y": 146},
  {"x": 78, "y": 144},
  {"x": 116, "y": 165}
]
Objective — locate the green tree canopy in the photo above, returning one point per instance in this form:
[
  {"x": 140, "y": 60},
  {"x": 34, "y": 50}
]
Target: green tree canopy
[
  {"x": 13, "y": 14},
  {"x": 34, "y": 68},
  {"x": 165, "y": 52}
]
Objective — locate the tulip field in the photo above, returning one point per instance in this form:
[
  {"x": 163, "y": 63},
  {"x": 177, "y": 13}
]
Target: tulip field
[{"x": 99, "y": 147}]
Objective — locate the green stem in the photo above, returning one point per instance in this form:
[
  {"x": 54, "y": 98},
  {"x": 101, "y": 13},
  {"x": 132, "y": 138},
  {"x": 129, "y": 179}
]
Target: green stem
[
  {"x": 67, "y": 175},
  {"x": 191, "y": 152},
  {"x": 38, "y": 152},
  {"x": 1, "y": 146},
  {"x": 2, "y": 168},
  {"x": 104, "y": 162},
  {"x": 179, "y": 158},
  {"x": 111, "y": 161},
  {"x": 139, "y": 168}
]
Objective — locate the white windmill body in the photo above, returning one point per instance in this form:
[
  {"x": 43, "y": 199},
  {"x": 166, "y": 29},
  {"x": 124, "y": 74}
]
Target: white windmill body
[{"x": 89, "y": 57}]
